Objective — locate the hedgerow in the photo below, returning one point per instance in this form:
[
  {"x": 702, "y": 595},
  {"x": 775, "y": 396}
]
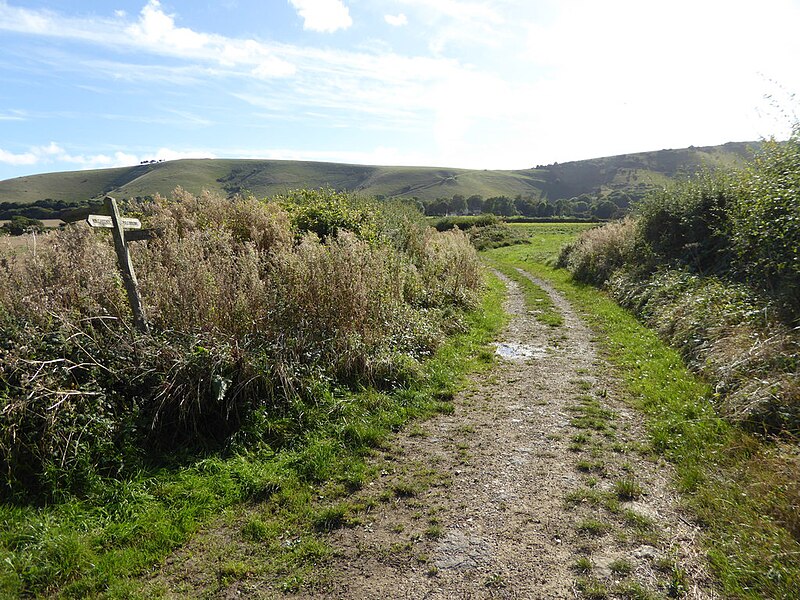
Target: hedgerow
[
  {"x": 252, "y": 306},
  {"x": 714, "y": 264}
]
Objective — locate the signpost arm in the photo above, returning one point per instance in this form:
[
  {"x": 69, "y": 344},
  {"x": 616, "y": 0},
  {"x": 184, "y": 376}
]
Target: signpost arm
[{"x": 126, "y": 266}]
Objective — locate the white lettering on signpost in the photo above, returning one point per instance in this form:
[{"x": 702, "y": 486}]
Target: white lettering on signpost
[{"x": 108, "y": 222}]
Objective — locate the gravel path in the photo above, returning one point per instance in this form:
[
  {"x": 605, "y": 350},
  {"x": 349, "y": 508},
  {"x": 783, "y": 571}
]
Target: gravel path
[
  {"x": 536, "y": 486},
  {"x": 507, "y": 517}
]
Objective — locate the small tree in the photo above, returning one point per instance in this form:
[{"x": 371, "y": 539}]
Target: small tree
[
  {"x": 458, "y": 204},
  {"x": 19, "y": 225},
  {"x": 604, "y": 209},
  {"x": 475, "y": 203}
]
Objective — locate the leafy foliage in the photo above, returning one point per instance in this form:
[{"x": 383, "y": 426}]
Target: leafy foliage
[
  {"x": 255, "y": 308},
  {"x": 326, "y": 211},
  {"x": 19, "y": 225},
  {"x": 714, "y": 264},
  {"x": 765, "y": 220}
]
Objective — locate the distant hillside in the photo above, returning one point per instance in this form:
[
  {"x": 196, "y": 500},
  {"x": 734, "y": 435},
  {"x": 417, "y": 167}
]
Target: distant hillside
[{"x": 629, "y": 173}]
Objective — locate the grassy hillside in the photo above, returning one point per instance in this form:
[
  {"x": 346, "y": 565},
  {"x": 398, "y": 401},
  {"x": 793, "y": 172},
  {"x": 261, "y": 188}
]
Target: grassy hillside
[{"x": 632, "y": 173}]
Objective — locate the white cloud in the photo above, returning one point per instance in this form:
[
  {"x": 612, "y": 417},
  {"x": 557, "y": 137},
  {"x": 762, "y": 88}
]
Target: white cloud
[
  {"x": 155, "y": 28},
  {"x": 617, "y": 82},
  {"x": 560, "y": 80},
  {"x": 54, "y": 154},
  {"x": 459, "y": 9},
  {"x": 13, "y": 115},
  {"x": 155, "y": 32},
  {"x": 465, "y": 23},
  {"x": 396, "y": 20},
  {"x": 26, "y": 158},
  {"x": 323, "y": 15}
]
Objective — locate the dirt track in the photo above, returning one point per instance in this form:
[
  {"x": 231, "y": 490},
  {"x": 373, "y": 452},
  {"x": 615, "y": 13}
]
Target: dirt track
[
  {"x": 499, "y": 523},
  {"x": 535, "y": 487}
]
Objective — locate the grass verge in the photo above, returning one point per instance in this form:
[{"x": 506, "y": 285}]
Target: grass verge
[
  {"x": 731, "y": 479},
  {"x": 99, "y": 546},
  {"x": 537, "y": 301}
]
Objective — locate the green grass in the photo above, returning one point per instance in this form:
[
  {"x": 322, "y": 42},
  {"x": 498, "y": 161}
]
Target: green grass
[
  {"x": 621, "y": 566},
  {"x": 628, "y": 489},
  {"x": 97, "y": 546},
  {"x": 536, "y": 299},
  {"x": 545, "y": 240},
  {"x": 583, "y": 565},
  {"x": 593, "y": 527},
  {"x": 592, "y": 589},
  {"x": 751, "y": 554}
]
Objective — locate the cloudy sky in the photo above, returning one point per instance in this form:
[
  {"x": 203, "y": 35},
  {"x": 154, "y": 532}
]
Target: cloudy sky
[{"x": 463, "y": 83}]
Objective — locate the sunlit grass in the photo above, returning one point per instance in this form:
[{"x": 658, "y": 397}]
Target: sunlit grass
[{"x": 718, "y": 466}]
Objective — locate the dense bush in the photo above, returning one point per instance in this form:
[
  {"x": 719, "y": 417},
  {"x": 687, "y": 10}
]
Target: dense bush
[
  {"x": 252, "y": 306},
  {"x": 497, "y": 235},
  {"x": 465, "y": 222},
  {"x": 714, "y": 264},
  {"x": 19, "y": 225},
  {"x": 765, "y": 220},
  {"x": 688, "y": 222},
  {"x": 484, "y": 231},
  {"x": 600, "y": 251}
]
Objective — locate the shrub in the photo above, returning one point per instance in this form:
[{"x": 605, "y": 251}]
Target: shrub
[
  {"x": 687, "y": 223},
  {"x": 325, "y": 212},
  {"x": 465, "y": 222},
  {"x": 765, "y": 221},
  {"x": 255, "y": 308},
  {"x": 600, "y": 251},
  {"x": 19, "y": 225},
  {"x": 714, "y": 264},
  {"x": 495, "y": 236}
]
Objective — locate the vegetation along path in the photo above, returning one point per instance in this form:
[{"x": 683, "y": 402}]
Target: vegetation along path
[{"x": 534, "y": 487}]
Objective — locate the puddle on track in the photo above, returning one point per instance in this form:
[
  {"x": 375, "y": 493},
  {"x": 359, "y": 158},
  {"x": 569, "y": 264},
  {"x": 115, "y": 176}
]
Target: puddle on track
[{"x": 515, "y": 351}]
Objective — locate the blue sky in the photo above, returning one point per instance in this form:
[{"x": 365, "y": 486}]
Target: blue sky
[{"x": 463, "y": 83}]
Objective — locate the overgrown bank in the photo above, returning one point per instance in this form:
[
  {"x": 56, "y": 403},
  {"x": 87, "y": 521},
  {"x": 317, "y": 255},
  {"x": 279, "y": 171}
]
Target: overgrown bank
[
  {"x": 713, "y": 265},
  {"x": 268, "y": 318},
  {"x": 743, "y": 489}
]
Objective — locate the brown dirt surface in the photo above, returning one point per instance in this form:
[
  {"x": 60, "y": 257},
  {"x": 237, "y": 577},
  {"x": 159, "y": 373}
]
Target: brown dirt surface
[{"x": 538, "y": 485}]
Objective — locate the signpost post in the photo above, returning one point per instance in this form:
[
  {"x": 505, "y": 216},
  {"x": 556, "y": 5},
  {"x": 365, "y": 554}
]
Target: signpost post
[{"x": 118, "y": 225}]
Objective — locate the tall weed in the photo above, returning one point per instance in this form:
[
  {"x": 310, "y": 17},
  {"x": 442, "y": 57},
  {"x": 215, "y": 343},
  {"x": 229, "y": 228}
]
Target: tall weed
[
  {"x": 253, "y": 305},
  {"x": 599, "y": 252}
]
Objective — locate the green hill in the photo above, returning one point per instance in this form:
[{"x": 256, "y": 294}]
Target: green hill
[{"x": 630, "y": 173}]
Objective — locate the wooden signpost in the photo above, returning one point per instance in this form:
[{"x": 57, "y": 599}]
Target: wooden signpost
[
  {"x": 118, "y": 225},
  {"x": 108, "y": 222}
]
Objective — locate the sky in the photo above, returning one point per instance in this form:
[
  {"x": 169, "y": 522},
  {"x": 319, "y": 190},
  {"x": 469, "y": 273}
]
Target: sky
[{"x": 483, "y": 84}]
